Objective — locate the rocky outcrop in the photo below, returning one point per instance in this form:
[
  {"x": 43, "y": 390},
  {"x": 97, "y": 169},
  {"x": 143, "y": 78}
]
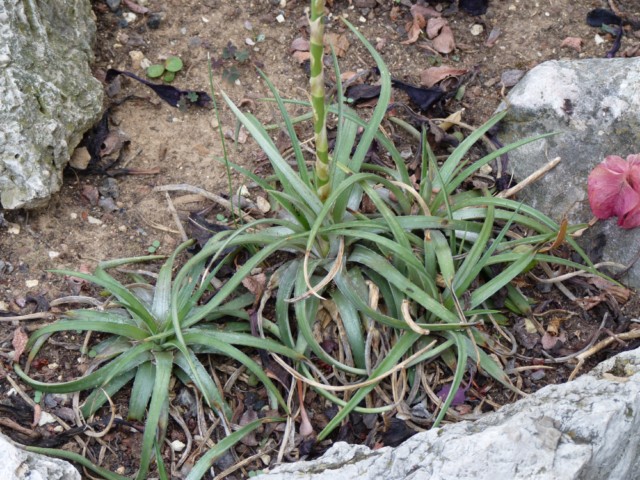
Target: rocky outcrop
[
  {"x": 48, "y": 98},
  {"x": 18, "y": 464},
  {"x": 594, "y": 106},
  {"x": 586, "y": 429}
]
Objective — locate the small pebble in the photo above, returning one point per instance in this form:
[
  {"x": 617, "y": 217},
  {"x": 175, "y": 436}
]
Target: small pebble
[
  {"x": 177, "y": 446},
  {"x": 280, "y": 18},
  {"x": 248, "y": 25},
  {"x": 113, "y": 5},
  {"x": 31, "y": 283},
  {"x": 73, "y": 215},
  {"x": 107, "y": 204},
  {"x": 510, "y": 77},
  {"x": 263, "y": 204},
  {"x": 598, "y": 39},
  {"x": 153, "y": 22},
  {"x": 249, "y": 42},
  {"x": 46, "y": 418},
  {"x": 136, "y": 57},
  {"x": 130, "y": 17},
  {"x": 538, "y": 375},
  {"x": 195, "y": 42},
  {"x": 109, "y": 188},
  {"x": 477, "y": 29},
  {"x": 94, "y": 220},
  {"x": 145, "y": 63},
  {"x": 53, "y": 254}
]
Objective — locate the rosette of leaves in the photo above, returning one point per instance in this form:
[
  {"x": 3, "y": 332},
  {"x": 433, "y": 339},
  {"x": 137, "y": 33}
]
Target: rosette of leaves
[
  {"x": 417, "y": 277},
  {"x": 167, "y": 71},
  {"x": 156, "y": 333}
]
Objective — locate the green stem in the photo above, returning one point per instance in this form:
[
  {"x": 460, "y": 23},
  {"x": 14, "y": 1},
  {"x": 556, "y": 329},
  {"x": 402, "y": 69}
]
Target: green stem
[{"x": 316, "y": 29}]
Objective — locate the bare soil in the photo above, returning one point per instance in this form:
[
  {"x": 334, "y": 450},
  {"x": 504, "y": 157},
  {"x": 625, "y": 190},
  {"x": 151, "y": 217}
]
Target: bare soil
[{"x": 73, "y": 233}]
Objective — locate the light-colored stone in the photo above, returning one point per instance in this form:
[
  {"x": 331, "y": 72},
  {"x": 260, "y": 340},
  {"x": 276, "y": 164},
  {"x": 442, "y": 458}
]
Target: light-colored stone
[
  {"x": 48, "y": 98},
  {"x": 18, "y": 464},
  {"x": 583, "y": 430},
  {"x": 594, "y": 105}
]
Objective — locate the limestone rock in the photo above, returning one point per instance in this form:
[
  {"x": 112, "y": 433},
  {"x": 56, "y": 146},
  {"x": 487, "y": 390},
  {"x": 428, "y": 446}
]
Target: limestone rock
[
  {"x": 594, "y": 106},
  {"x": 48, "y": 98},
  {"x": 582, "y": 430},
  {"x": 18, "y": 464}
]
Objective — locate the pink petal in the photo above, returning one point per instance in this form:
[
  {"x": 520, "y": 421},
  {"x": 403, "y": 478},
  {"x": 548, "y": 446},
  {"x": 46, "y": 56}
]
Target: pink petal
[
  {"x": 604, "y": 184},
  {"x": 630, "y": 220}
]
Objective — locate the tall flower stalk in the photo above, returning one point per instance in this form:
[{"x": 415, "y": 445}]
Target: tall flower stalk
[{"x": 316, "y": 29}]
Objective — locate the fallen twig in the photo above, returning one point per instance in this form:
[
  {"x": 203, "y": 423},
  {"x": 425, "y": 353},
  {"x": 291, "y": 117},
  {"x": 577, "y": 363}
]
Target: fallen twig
[
  {"x": 223, "y": 202},
  {"x": 582, "y": 357},
  {"x": 535, "y": 176}
]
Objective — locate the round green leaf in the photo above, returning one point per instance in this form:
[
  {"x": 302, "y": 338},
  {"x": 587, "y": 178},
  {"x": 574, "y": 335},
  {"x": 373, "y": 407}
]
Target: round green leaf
[
  {"x": 169, "y": 77},
  {"x": 173, "y": 64},
  {"x": 155, "y": 71}
]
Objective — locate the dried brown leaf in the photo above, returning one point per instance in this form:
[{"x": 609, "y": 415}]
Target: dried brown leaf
[
  {"x": 19, "y": 342},
  {"x": 444, "y": 43},
  {"x": 395, "y": 13},
  {"x": 414, "y": 29},
  {"x": 339, "y": 42},
  {"x": 250, "y": 439},
  {"x": 430, "y": 76},
  {"x": 426, "y": 12},
  {"x": 255, "y": 283},
  {"x": 434, "y": 25}
]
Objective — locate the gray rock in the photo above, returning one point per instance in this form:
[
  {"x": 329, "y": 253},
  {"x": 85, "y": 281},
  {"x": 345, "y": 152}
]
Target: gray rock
[
  {"x": 595, "y": 106},
  {"x": 48, "y": 97},
  {"x": 582, "y": 430},
  {"x": 19, "y": 464}
]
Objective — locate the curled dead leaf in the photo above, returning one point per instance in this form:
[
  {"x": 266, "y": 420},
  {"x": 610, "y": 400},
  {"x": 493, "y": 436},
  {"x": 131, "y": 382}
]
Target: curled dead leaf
[
  {"x": 426, "y": 12},
  {"x": 434, "y": 25},
  {"x": 432, "y": 75},
  {"x": 451, "y": 120},
  {"x": 255, "y": 283},
  {"x": 414, "y": 29},
  {"x": 444, "y": 43},
  {"x": 19, "y": 342}
]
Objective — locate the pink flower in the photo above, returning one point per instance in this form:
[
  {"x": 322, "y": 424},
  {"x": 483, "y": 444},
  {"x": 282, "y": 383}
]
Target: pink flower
[{"x": 614, "y": 190}]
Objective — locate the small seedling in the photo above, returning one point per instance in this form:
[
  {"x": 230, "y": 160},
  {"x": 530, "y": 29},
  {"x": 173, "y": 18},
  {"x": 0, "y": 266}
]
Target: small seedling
[
  {"x": 167, "y": 71},
  {"x": 221, "y": 218},
  {"x": 154, "y": 246},
  {"x": 231, "y": 53}
]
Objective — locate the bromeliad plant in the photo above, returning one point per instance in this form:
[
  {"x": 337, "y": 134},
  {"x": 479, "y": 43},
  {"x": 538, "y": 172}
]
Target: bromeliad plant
[
  {"x": 408, "y": 284},
  {"x": 156, "y": 333}
]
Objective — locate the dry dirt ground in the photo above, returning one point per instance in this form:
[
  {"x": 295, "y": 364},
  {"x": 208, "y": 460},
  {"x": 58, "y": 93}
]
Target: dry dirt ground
[{"x": 74, "y": 233}]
